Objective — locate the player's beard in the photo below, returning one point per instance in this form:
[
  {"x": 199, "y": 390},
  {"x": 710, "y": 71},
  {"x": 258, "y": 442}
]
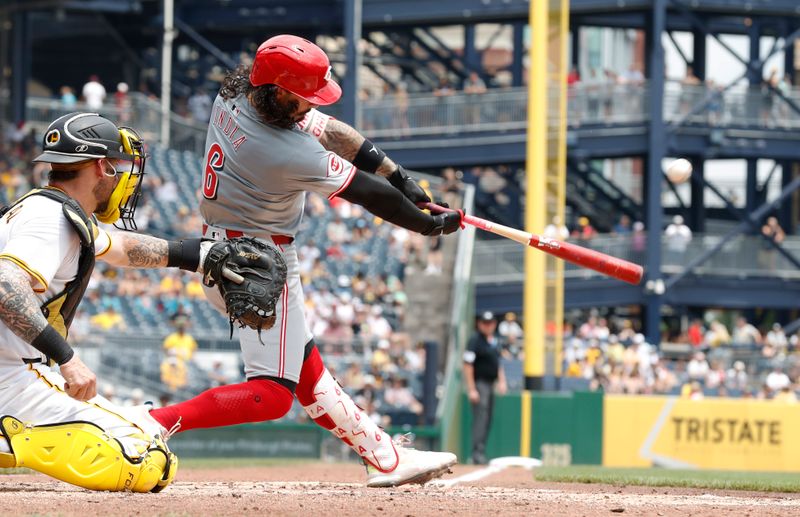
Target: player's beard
[
  {"x": 102, "y": 193},
  {"x": 272, "y": 111}
]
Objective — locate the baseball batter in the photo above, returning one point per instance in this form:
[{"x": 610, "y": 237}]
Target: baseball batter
[
  {"x": 266, "y": 147},
  {"x": 51, "y": 421}
]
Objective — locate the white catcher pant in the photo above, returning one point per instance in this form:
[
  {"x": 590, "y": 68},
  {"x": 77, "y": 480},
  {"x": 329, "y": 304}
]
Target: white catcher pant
[
  {"x": 35, "y": 395},
  {"x": 279, "y": 351}
]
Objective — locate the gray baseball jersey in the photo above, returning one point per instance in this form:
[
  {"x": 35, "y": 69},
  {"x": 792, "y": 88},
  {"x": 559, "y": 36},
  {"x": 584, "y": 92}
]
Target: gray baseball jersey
[
  {"x": 256, "y": 175},
  {"x": 254, "y": 182}
]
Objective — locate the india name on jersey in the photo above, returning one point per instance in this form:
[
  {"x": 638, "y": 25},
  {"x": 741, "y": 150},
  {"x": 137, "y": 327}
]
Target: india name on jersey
[
  {"x": 256, "y": 175},
  {"x": 36, "y": 236}
]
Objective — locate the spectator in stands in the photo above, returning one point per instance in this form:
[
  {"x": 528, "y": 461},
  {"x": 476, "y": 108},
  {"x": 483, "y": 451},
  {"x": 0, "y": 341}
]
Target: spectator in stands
[
  {"x": 594, "y": 92},
  {"x": 775, "y": 234},
  {"x": 94, "y": 93},
  {"x": 122, "y": 102},
  {"x": 199, "y": 105},
  {"x": 483, "y": 373},
  {"x": 180, "y": 341},
  {"x": 623, "y": 226},
  {"x": 716, "y": 376},
  {"x": 768, "y": 88},
  {"x": 717, "y": 335},
  {"x": 678, "y": 236},
  {"x": 692, "y": 391},
  {"x": 775, "y": 343},
  {"x": 217, "y": 375},
  {"x": 777, "y": 380},
  {"x": 584, "y": 232},
  {"x": 509, "y": 329},
  {"x": 136, "y": 398},
  {"x": 174, "y": 375},
  {"x": 745, "y": 334},
  {"x": 556, "y": 229},
  {"x": 474, "y": 87},
  {"x": 786, "y": 395},
  {"x": 736, "y": 377},
  {"x": 109, "y": 393},
  {"x": 68, "y": 99},
  {"x": 696, "y": 333},
  {"x": 398, "y": 396},
  {"x": 444, "y": 88},
  {"x": 451, "y": 186},
  {"x": 638, "y": 241},
  {"x": 108, "y": 319},
  {"x": 401, "y": 109},
  {"x": 664, "y": 378},
  {"x": 689, "y": 86},
  {"x": 698, "y": 367}
]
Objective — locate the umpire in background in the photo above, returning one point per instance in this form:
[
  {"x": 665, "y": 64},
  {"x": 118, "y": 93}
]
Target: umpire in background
[{"x": 482, "y": 370}]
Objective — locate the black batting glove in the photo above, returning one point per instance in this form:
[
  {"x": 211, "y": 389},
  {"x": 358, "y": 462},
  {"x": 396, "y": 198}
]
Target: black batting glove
[
  {"x": 446, "y": 223},
  {"x": 405, "y": 184}
]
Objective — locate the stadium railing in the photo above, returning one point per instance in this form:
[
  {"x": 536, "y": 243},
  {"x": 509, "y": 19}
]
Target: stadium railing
[
  {"x": 496, "y": 110},
  {"x": 744, "y": 256}
]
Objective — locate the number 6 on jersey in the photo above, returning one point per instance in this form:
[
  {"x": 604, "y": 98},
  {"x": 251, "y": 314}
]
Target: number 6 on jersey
[{"x": 214, "y": 163}]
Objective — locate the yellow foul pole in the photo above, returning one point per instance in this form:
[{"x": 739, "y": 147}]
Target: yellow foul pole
[{"x": 543, "y": 300}]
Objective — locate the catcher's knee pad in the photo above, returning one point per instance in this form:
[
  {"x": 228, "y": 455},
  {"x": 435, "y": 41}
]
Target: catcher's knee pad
[
  {"x": 7, "y": 459},
  {"x": 80, "y": 453},
  {"x": 350, "y": 424}
]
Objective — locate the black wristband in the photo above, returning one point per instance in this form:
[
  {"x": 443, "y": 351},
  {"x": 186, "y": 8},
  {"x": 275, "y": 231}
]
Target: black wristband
[
  {"x": 50, "y": 343},
  {"x": 369, "y": 157},
  {"x": 184, "y": 254}
]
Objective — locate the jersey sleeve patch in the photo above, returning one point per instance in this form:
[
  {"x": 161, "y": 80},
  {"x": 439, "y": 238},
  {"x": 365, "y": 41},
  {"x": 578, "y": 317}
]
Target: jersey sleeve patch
[{"x": 469, "y": 357}]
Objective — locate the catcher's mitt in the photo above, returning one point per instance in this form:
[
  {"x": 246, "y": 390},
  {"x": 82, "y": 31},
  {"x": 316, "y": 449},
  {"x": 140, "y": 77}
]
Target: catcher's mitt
[{"x": 250, "y": 275}]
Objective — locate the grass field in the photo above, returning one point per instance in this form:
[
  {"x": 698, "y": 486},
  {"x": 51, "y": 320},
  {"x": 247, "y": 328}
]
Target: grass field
[{"x": 759, "y": 481}]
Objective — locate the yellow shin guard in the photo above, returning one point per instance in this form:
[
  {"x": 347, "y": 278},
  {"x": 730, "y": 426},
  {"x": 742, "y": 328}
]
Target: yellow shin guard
[{"x": 80, "y": 453}]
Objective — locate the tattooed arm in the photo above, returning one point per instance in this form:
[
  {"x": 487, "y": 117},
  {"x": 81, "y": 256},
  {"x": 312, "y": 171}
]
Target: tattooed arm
[
  {"x": 145, "y": 251},
  {"x": 345, "y": 141},
  {"x": 136, "y": 250},
  {"x": 20, "y": 311}
]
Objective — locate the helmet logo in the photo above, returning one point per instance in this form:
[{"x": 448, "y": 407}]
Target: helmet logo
[
  {"x": 81, "y": 148},
  {"x": 52, "y": 138},
  {"x": 328, "y": 74}
]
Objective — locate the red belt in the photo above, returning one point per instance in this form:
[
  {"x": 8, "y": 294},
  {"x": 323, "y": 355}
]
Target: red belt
[{"x": 232, "y": 234}]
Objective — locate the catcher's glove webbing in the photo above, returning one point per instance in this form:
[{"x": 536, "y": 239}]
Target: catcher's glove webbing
[{"x": 250, "y": 275}]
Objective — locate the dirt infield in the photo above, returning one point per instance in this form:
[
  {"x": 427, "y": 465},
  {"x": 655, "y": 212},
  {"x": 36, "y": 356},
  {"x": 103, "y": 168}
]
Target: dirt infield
[{"x": 337, "y": 490}]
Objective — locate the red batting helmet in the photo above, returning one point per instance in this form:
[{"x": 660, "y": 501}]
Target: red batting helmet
[{"x": 297, "y": 65}]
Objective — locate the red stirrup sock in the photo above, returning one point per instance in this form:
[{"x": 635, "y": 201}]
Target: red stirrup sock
[
  {"x": 309, "y": 375},
  {"x": 330, "y": 407},
  {"x": 257, "y": 400}
]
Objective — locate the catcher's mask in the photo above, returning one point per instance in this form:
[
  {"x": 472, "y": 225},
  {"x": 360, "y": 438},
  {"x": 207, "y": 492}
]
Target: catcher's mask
[{"x": 78, "y": 137}]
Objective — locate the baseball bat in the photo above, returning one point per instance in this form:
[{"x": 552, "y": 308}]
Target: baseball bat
[{"x": 578, "y": 255}]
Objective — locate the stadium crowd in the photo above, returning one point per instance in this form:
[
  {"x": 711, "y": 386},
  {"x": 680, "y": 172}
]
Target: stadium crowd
[{"x": 705, "y": 360}]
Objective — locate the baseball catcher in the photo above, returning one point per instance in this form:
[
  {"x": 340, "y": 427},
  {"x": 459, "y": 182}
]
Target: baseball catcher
[{"x": 250, "y": 275}]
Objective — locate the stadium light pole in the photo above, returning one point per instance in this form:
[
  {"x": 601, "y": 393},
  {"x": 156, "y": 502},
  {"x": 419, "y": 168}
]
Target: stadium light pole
[{"x": 166, "y": 69}]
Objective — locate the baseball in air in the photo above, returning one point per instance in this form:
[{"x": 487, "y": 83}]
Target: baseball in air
[{"x": 679, "y": 171}]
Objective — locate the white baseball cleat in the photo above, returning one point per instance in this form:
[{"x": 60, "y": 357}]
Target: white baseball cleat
[{"x": 414, "y": 466}]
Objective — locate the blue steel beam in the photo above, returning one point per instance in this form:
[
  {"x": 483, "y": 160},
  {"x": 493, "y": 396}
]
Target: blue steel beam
[
  {"x": 209, "y": 47},
  {"x": 656, "y": 152},
  {"x": 749, "y": 221}
]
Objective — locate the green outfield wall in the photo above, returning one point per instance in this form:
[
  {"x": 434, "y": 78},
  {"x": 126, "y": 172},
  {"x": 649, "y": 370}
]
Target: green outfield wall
[{"x": 565, "y": 428}]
